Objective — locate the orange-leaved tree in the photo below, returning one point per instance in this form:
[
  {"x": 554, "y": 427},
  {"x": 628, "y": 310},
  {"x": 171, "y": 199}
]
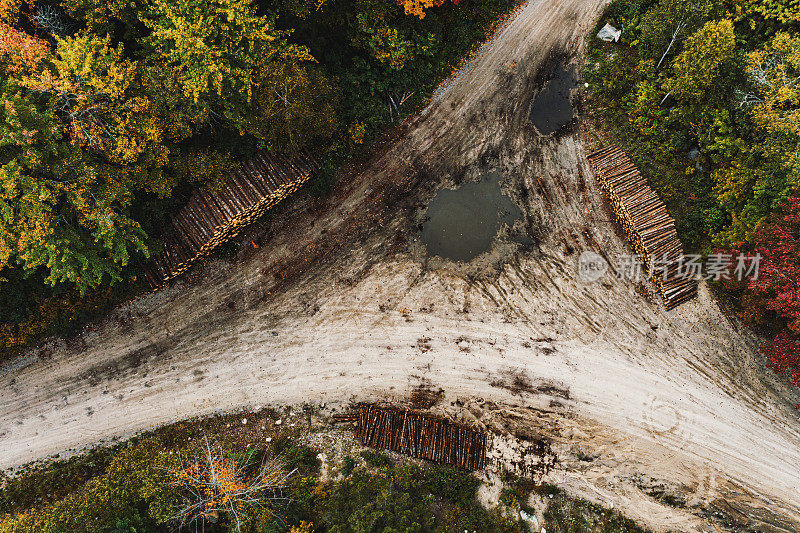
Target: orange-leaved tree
[
  {"x": 418, "y": 7},
  {"x": 234, "y": 487},
  {"x": 20, "y": 53}
]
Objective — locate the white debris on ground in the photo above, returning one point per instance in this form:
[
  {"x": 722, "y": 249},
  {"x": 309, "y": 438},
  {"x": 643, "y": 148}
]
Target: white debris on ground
[
  {"x": 507, "y": 453},
  {"x": 531, "y": 519},
  {"x": 609, "y": 33},
  {"x": 324, "y": 467}
]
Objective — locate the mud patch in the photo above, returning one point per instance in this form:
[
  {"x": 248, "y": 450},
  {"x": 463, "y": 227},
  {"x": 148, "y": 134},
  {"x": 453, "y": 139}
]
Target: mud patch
[
  {"x": 517, "y": 381},
  {"x": 552, "y": 108},
  {"x": 462, "y": 223},
  {"x": 424, "y": 397},
  {"x": 126, "y": 365}
]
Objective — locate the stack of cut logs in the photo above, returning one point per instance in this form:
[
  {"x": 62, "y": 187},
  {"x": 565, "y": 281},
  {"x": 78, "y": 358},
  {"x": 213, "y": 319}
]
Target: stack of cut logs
[
  {"x": 214, "y": 216},
  {"x": 422, "y": 436},
  {"x": 644, "y": 218}
]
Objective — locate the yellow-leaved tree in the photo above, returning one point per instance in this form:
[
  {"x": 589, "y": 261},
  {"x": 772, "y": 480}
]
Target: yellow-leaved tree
[
  {"x": 239, "y": 66},
  {"x": 767, "y": 172},
  {"x": 704, "y": 52}
]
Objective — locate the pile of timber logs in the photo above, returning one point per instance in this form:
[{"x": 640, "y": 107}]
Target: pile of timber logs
[
  {"x": 214, "y": 216},
  {"x": 422, "y": 436},
  {"x": 645, "y": 220}
]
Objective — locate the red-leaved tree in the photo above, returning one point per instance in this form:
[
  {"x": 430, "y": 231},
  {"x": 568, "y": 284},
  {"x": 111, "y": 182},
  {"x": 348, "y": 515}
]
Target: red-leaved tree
[{"x": 773, "y": 298}]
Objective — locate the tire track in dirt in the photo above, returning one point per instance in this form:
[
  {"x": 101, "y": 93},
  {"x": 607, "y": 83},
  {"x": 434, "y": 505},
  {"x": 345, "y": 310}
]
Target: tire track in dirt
[{"x": 345, "y": 321}]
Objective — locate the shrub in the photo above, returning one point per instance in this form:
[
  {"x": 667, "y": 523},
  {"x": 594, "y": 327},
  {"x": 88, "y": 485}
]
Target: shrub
[
  {"x": 376, "y": 459},
  {"x": 348, "y": 466},
  {"x": 566, "y": 515},
  {"x": 46, "y": 483},
  {"x": 387, "y": 501},
  {"x": 451, "y": 483},
  {"x": 135, "y": 490}
]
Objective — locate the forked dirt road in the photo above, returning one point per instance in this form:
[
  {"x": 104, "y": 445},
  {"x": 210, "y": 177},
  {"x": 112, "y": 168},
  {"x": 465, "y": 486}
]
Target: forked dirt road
[{"x": 635, "y": 401}]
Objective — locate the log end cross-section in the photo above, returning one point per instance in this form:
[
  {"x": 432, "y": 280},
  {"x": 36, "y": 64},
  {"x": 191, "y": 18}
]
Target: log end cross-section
[
  {"x": 644, "y": 217},
  {"x": 214, "y": 216}
]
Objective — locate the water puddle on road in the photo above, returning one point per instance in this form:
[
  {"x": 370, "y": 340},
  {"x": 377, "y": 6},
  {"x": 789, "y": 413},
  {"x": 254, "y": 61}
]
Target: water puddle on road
[
  {"x": 461, "y": 223},
  {"x": 552, "y": 108}
]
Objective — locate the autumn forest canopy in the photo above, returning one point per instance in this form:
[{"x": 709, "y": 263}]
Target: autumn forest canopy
[
  {"x": 111, "y": 112},
  {"x": 705, "y": 95}
]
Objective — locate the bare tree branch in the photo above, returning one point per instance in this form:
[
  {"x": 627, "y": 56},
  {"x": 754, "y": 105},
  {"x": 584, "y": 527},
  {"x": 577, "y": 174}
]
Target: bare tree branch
[{"x": 216, "y": 484}]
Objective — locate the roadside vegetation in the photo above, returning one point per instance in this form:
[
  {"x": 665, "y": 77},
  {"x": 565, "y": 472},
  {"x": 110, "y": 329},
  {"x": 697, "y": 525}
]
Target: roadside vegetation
[
  {"x": 111, "y": 113},
  {"x": 265, "y": 479},
  {"x": 705, "y": 96}
]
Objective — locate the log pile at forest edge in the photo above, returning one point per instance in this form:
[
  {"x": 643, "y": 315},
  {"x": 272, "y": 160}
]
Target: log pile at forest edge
[
  {"x": 648, "y": 225},
  {"x": 422, "y": 436},
  {"x": 214, "y": 216}
]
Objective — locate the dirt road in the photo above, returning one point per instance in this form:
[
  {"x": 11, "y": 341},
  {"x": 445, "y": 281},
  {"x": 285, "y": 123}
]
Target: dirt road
[{"x": 640, "y": 405}]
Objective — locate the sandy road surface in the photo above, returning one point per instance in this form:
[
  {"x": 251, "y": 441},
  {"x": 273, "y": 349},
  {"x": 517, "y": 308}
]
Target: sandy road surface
[{"x": 634, "y": 400}]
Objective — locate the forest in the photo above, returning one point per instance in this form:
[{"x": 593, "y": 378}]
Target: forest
[
  {"x": 263, "y": 478},
  {"x": 705, "y": 96},
  {"x": 112, "y": 112}
]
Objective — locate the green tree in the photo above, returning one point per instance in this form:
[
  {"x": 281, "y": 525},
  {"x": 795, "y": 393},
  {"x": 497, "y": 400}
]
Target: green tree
[
  {"x": 783, "y": 11},
  {"x": 667, "y": 24},
  {"x": 95, "y": 92},
  {"x": 376, "y": 31},
  {"x": 56, "y": 209},
  {"x": 291, "y": 104},
  {"x": 695, "y": 69},
  {"x": 224, "y": 53},
  {"x": 136, "y": 490},
  {"x": 775, "y": 74},
  {"x": 103, "y": 17},
  {"x": 72, "y": 128}
]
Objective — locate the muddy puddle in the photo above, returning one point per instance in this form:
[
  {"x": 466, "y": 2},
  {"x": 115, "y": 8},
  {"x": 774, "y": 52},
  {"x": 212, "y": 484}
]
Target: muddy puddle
[
  {"x": 461, "y": 223},
  {"x": 552, "y": 109}
]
